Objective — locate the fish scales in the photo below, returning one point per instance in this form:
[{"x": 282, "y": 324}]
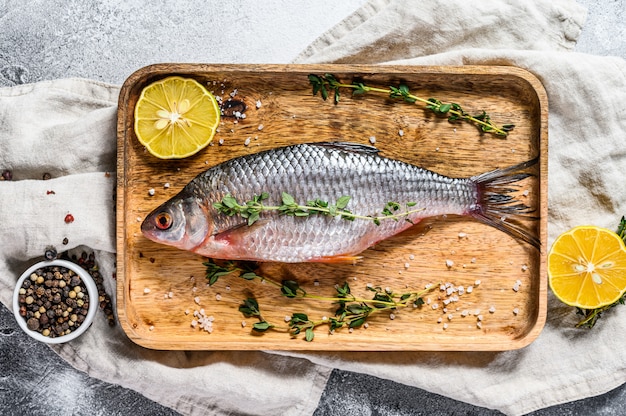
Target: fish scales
[{"x": 324, "y": 171}]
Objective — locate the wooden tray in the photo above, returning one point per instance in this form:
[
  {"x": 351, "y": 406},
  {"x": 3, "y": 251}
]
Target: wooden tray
[{"x": 160, "y": 287}]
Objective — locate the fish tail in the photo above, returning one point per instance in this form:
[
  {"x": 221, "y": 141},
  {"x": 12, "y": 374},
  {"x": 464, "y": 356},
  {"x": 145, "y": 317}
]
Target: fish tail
[{"x": 497, "y": 206}]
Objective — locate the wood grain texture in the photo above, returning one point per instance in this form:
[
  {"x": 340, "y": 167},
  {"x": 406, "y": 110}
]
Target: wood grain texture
[{"x": 290, "y": 114}]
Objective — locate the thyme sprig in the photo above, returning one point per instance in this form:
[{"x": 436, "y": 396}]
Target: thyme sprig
[
  {"x": 327, "y": 83},
  {"x": 351, "y": 311},
  {"x": 252, "y": 209},
  {"x": 591, "y": 316}
]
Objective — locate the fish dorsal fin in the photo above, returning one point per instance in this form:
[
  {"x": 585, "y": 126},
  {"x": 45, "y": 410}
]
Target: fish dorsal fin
[{"x": 348, "y": 147}]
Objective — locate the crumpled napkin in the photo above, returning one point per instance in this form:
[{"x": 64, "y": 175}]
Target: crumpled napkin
[{"x": 67, "y": 128}]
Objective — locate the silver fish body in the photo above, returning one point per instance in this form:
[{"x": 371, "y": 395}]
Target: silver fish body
[{"x": 326, "y": 171}]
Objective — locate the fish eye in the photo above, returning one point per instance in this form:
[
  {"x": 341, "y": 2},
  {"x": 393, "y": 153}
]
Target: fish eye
[{"x": 163, "y": 220}]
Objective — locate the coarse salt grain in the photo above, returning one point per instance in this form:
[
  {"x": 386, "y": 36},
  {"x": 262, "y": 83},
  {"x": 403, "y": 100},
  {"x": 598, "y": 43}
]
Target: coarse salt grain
[
  {"x": 392, "y": 316},
  {"x": 464, "y": 313},
  {"x": 479, "y": 317},
  {"x": 479, "y": 325},
  {"x": 477, "y": 283},
  {"x": 218, "y": 296},
  {"x": 445, "y": 326},
  {"x": 515, "y": 311},
  {"x": 287, "y": 318},
  {"x": 151, "y": 192},
  {"x": 470, "y": 289},
  {"x": 258, "y": 104},
  {"x": 146, "y": 290},
  {"x": 492, "y": 309},
  {"x": 411, "y": 257},
  {"x": 400, "y": 132},
  {"x": 462, "y": 235},
  {"x": 440, "y": 320},
  {"x": 151, "y": 328},
  {"x": 166, "y": 185},
  {"x": 247, "y": 142},
  {"x": 372, "y": 139},
  {"x": 449, "y": 264},
  {"x": 197, "y": 300},
  {"x": 260, "y": 127},
  {"x": 243, "y": 324}
]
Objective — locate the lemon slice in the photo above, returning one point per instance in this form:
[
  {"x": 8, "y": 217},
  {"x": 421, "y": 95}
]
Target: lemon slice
[
  {"x": 587, "y": 267},
  {"x": 176, "y": 117}
]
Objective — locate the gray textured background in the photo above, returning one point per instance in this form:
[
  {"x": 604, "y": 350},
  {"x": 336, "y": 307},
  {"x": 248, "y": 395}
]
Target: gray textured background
[{"x": 42, "y": 40}]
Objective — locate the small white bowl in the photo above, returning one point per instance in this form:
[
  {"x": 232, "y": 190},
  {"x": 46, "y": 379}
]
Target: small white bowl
[{"x": 92, "y": 292}]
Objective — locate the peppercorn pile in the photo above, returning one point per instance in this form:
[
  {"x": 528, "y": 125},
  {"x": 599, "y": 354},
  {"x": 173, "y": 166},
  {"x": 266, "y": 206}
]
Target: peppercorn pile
[
  {"x": 54, "y": 301},
  {"x": 88, "y": 262}
]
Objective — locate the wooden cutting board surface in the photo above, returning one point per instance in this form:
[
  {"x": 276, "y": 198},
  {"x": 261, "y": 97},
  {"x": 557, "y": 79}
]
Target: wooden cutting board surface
[{"x": 159, "y": 288}]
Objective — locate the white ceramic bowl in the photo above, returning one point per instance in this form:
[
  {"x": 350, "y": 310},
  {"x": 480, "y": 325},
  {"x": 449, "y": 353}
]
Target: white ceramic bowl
[{"x": 92, "y": 292}]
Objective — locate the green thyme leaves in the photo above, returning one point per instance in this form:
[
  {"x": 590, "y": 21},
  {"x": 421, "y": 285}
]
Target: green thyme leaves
[
  {"x": 350, "y": 311},
  {"x": 252, "y": 209},
  {"x": 328, "y": 83}
]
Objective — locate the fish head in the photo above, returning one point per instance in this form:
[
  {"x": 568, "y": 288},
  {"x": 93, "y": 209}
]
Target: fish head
[{"x": 181, "y": 222}]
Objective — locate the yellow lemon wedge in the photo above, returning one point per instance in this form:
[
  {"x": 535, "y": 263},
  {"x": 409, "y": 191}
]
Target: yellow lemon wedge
[
  {"x": 587, "y": 267},
  {"x": 176, "y": 117}
]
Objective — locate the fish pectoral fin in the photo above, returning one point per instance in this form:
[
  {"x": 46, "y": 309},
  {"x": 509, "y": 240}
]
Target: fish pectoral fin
[
  {"x": 340, "y": 258},
  {"x": 238, "y": 232}
]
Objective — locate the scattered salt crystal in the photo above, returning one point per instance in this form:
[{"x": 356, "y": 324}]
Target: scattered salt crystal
[
  {"x": 220, "y": 142},
  {"x": 470, "y": 289},
  {"x": 479, "y": 317},
  {"x": 525, "y": 193},
  {"x": 187, "y": 312},
  {"x": 287, "y": 318},
  {"x": 258, "y": 104},
  {"x": 243, "y": 324},
  {"x": 247, "y": 142},
  {"x": 392, "y": 316},
  {"x": 407, "y": 265},
  {"x": 462, "y": 235},
  {"x": 324, "y": 318},
  {"x": 166, "y": 185},
  {"x": 477, "y": 283},
  {"x": 524, "y": 267},
  {"x": 479, "y": 325},
  {"x": 473, "y": 260},
  {"x": 227, "y": 287},
  {"x": 477, "y": 312},
  {"x": 316, "y": 283},
  {"x": 435, "y": 306},
  {"x": 464, "y": 313},
  {"x": 445, "y": 310},
  {"x": 492, "y": 309},
  {"x": 400, "y": 132},
  {"x": 194, "y": 323},
  {"x": 151, "y": 328},
  {"x": 437, "y": 149},
  {"x": 260, "y": 127},
  {"x": 372, "y": 139},
  {"x": 450, "y": 316},
  {"x": 439, "y": 320},
  {"x": 197, "y": 300},
  {"x": 218, "y": 297},
  {"x": 138, "y": 219},
  {"x": 151, "y": 192},
  {"x": 445, "y": 326},
  {"x": 446, "y": 301},
  {"x": 411, "y": 257},
  {"x": 515, "y": 311},
  {"x": 366, "y": 325},
  {"x": 449, "y": 263},
  {"x": 146, "y": 290}
]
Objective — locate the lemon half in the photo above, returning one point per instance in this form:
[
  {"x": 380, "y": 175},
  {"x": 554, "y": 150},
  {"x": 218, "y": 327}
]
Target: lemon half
[
  {"x": 587, "y": 267},
  {"x": 176, "y": 117}
]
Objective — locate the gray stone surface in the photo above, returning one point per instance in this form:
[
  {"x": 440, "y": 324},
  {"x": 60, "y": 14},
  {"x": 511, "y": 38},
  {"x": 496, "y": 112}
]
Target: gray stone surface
[{"x": 51, "y": 39}]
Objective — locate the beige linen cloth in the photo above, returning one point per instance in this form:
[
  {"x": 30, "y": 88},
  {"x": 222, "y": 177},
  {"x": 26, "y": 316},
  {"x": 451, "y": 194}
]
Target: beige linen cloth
[{"x": 67, "y": 128}]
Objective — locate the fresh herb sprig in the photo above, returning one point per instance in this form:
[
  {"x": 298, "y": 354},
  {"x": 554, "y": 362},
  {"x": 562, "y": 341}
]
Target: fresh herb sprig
[
  {"x": 327, "y": 83},
  {"x": 252, "y": 209},
  {"x": 351, "y": 311},
  {"x": 591, "y": 316}
]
